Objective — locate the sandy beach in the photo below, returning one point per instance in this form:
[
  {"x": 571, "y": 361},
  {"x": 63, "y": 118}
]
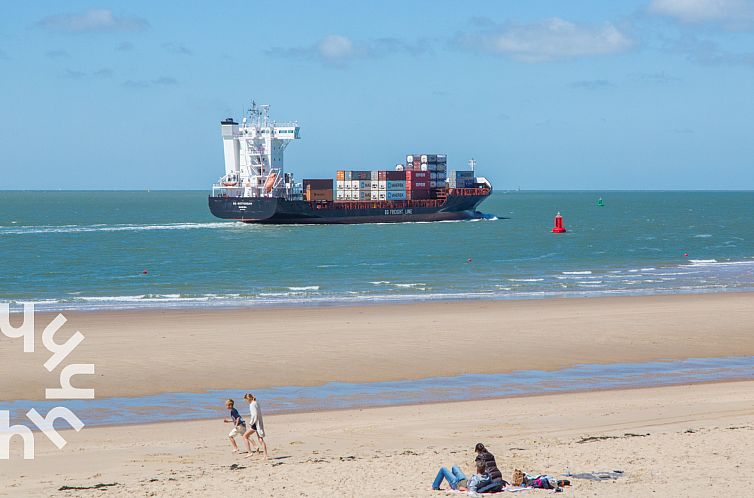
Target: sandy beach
[
  {"x": 150, "y": 352},
  {"x": 671, "y": 441}
]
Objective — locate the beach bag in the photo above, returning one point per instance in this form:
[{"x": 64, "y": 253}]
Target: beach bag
[{"x": 518, "y": 478}]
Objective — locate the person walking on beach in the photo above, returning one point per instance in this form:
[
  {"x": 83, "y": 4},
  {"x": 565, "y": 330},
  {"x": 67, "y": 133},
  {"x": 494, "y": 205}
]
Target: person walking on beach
[
  {"x": 255, "y": 424},
  {"x": 239, "y": 426}
]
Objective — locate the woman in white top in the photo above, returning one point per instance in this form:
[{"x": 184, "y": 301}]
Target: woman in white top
[{"x": 255, "y": 423}]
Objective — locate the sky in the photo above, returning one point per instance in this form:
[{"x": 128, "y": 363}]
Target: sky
[{"x": 543, "y": 94}]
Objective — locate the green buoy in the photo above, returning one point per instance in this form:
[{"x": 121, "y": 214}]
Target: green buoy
[{"x": 600, "y": 202}]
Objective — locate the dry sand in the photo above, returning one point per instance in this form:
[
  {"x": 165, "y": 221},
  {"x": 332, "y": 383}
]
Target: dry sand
[
  {"x": 149, "y": 352},
  {"x": 682, "y": 441}
]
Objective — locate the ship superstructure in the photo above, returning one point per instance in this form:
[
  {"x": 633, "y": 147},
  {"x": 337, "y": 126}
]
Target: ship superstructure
[
  {"x": 254, "y": 153},
  {"x": 257, "y": 189}
]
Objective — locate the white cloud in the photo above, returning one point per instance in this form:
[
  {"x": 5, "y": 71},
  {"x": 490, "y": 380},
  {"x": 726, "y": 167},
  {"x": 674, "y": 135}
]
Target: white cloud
[
  {"x": 550, "y": 39},
  {"x": 96, "y": 20},
  {"x": 699, "y": 11},
  {"x": 338, "y": 50},
  {"x": 336, "y": 47}
]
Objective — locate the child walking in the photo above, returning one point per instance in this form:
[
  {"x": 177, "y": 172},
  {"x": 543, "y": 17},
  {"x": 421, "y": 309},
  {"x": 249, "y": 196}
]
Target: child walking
[
  {"x": 256, "y": 425},
  {"x": 239, "y": 426}
]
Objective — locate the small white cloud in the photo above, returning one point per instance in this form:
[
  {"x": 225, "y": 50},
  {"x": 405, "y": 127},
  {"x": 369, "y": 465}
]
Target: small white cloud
[
  {"x": 550, "y": 39},
  {"x": 729, "y": 12},
  {"x": 338, "y": 50},
  {"x": 336, "y": 47},
  {"x": 96, "y": 20}
]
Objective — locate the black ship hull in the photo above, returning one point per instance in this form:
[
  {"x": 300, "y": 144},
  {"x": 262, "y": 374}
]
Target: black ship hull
[{"x": 283, "y": 211}]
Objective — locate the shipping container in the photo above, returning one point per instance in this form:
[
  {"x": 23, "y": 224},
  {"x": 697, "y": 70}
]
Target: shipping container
[
  {"x": 340, "y": 195},
  {"x": 318, "y": 195},
  {"x": 418, "y": 194},
  {"x": 340, "y": 175},
  {"x": 393, "y": 185},
  {"x": 460, "y": 174},
  {"x": 460, "y": 182},
  {"x": 382, "y": 195},
  {"x": 395, "y": 195},
  {"x": 442, "y": 167},
  {"x": 442, "y": 159},
  {"x": 395, "y": 175},
  {"x": 340, "y": 185},
  {"x": 413, "y": 175},
  {"x": 317, "y": 184},
  {"x": 417, "y": 185},
  {"x": 410, "y": 159},
  {"x": 375, "y": 195}
]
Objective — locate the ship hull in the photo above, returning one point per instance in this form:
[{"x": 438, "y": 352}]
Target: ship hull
[{"x": 282, "y": 211}]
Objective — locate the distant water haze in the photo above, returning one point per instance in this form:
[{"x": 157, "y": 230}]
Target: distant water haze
[{"x": 98, "y": 250}]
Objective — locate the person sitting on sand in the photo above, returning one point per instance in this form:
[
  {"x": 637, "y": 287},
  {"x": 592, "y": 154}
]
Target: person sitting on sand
[
  {"x": 487, "y": 460},
  {"x": 478, "y": 483},
  {"x": 256, "y": 425},
  {"x": 456, "y": 479},
  {"x": 239, "y": 426}
]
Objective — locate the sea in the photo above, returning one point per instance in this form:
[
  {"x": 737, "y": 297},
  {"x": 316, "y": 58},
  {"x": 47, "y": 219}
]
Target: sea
[{"x": 92, "y": 250}]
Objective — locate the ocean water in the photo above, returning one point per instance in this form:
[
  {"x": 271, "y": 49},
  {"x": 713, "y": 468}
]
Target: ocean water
[{"x": 89, "y": 250}]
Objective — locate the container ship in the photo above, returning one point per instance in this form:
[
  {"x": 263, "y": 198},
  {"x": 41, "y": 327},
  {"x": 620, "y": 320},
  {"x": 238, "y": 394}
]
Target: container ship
[{"x": 257, "y": 189}]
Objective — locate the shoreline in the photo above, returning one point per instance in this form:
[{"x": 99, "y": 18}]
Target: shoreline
[
  {"x": 156, "y": 351},
  {"x": 228, "y": 304}
]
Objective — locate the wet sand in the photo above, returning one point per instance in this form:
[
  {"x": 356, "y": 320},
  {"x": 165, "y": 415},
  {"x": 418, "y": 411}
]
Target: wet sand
[
  {"x": 690, "y": 441},
  {"x": 155, "y": 351}
]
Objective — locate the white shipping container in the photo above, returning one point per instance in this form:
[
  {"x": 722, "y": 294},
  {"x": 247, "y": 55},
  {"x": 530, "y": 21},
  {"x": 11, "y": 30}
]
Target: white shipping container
[
  {"x": 395, "y": 195},
  {"x": 340, "y": 195},
  {"x": 424, "y": 159},
  {"x": 374, "y": 185},
  {"x": 409, "y": 159},
  {"x": 375, "y": 195},
  {"x": 382, "y": 185},
  {"x": 383, "y": 195}
]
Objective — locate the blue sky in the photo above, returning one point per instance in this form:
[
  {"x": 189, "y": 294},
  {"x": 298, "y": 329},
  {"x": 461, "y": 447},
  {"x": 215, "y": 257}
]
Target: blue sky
[{"x": 650, "y": 94}]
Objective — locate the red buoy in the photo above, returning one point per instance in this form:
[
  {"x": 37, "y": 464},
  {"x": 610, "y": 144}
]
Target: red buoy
[
  {"x": 145, "y": 272},
  {"x": 468, "y": 260},
  {"x": 686, "y": 255},
  {"x": 558, "y": 228}
]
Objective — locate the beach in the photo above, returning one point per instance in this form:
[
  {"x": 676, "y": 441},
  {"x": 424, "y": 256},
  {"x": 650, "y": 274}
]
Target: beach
[
  {"x": 143, "y": 352},
  {"x": 670, "y": 441}
]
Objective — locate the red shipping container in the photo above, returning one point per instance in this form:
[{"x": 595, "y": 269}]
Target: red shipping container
[
  {"x": 395, "y": 176},
  {"x": 418, "y": 194}
]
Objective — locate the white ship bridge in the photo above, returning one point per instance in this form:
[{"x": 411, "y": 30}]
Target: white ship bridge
[{"x": 254, "y": 156}]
